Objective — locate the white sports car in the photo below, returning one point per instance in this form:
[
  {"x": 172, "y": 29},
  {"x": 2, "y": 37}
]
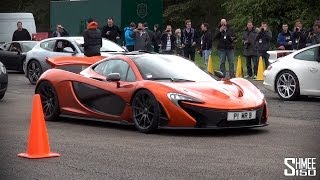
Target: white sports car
[
  {"x": 36, "y": 62},
  {"x": 295, "y": 74}
]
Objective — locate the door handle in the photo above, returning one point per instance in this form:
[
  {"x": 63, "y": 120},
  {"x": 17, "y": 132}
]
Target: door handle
[{"x": 313, "y": 70}]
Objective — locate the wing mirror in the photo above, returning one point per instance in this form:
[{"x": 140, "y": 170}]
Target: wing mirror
[
  {"x": 219, "y": 74},
  {"x": 68, "y": 50},
  {"x": 113, "y": 77}
]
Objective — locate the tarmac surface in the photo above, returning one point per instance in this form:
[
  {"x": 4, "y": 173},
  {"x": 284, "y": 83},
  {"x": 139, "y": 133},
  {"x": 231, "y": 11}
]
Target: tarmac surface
[{"x": 98, "y": 150}]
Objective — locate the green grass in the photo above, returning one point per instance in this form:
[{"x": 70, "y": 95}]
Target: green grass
[{"x": 216, "y": 62}]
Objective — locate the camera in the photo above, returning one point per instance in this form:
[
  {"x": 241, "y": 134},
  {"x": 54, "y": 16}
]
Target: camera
[
  {"x": 297, "y": 29},
  {"x": 168, "y": 30},
  {"x": 262, "y": 29},
  {"x": 139, "y": 29}
]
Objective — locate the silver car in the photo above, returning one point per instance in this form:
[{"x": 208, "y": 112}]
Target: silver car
[{"x": 36, "y": 62}]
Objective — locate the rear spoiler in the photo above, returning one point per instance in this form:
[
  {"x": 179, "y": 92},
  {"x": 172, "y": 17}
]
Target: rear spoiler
[
  {"x": 274, "y": 55},
  {"x": 74, "y": 60}
]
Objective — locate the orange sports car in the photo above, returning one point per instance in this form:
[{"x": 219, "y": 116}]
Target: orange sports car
[{"x": 150, "y": 91}]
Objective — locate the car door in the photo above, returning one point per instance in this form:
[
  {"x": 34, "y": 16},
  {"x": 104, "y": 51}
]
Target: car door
[
  {"x": 109, "y": 98},
  {"x": 15, "y": 56},
  {"x": 309, "y": 75},
  {"x": 11, "y": 56}
]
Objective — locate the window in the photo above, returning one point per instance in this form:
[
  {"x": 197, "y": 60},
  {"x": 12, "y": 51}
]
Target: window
[
  {"x": 308, "y": 55},
  {"x": 116, "y": 66},
  {"x": 48, "y": 45},
  {"x": 61, "y": 44}
]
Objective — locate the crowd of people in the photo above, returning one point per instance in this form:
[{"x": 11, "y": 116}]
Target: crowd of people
[{"x": 187, "y": 41}]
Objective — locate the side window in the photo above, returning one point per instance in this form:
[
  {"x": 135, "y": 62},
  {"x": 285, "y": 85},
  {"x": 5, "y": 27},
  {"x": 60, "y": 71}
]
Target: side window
[
  {"x": 48, "y": 45},
  {"x": 130, "y": 76},
  {"x": 307, "y": 55},
  {"x": 61, "y": 44},
  {"x": 15, "y": 47},
  {"x": 113, "y": 66}
]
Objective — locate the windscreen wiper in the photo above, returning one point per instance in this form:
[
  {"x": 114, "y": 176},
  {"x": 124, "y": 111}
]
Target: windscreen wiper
[{"x": 171, "y": 79}]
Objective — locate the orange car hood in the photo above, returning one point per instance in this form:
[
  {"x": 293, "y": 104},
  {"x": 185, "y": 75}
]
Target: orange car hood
[{"x": 225, "y": 94}]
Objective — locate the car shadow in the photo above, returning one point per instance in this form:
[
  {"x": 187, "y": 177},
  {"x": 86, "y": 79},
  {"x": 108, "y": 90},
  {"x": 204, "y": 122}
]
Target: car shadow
[
  {"x": 171, "y": 131},
  {"x": 299, "y": 99}
]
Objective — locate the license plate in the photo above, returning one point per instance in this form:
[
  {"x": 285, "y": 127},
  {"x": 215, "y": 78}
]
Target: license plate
[{"x": 243, "y": 115}]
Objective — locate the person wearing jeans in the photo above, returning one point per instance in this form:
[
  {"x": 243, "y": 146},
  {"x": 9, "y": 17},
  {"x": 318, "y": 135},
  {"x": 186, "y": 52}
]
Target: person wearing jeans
[
  {"x": 223, "y": 54},
  {"x": 206, "y": 42},
  {"x": 225, "y": 37},
  {"x": 250, "y": 50}
]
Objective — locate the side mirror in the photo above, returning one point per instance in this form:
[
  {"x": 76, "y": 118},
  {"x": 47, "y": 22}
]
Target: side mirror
[
  {"x": 68, "y": 50},
  {"x": 113, "y": 77},
  {"x": 219, "y": 74}
]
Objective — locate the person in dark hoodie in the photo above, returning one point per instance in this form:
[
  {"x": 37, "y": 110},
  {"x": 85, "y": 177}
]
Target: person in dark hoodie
[
  {"x": 151, "y": 36},
  {"x": 206, "y": 42},
  {"x": 285, "y": 38},
  {"x": 157, "y": 38},
  {"x": 92, "y": 39},
  {"x": 299, "y": 35},
  {"x": 225, "y": 37},
  {"x": 129, "y": 40}
]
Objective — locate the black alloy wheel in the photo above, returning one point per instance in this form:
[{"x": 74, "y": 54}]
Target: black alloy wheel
[
  {"x": 146, "y": 111},
  {"x": 49, "y": 100}
]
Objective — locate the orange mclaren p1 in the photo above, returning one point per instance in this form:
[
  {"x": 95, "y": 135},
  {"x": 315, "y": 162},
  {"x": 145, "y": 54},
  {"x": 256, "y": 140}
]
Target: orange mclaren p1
[{"x": 150, "y": 91}]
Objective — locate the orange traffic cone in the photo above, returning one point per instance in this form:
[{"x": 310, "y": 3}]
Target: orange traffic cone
[
  {"x": 239, "y": 71},
  {"x": 38, "y": 144},
  {"x": 260, "y": 70}
]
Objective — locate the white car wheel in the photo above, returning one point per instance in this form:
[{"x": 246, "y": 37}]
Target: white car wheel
[{"x": 287, "y": 85}]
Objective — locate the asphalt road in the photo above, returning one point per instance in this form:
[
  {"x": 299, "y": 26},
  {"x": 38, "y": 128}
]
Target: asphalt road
[{"x": 96, "y": 150}]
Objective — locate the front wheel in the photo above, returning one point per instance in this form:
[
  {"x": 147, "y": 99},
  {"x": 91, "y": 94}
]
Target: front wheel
[
  {"x": 49, "y": 100},
  {"x": 146, "y": 111},
  {"x": 287, "y": 85},
  {"x": 34, "y": 71}
]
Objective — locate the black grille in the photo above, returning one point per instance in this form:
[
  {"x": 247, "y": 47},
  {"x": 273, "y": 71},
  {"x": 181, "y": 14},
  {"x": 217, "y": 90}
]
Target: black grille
[{"x": 207, "y": 117}]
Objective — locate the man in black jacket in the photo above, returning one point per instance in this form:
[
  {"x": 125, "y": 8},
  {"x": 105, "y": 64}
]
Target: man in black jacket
[
  {"x": 60, "y": 31},
  {"x": 21, "y": 34},
  {"x": 206, "y": 42},
  {"x": 92, "y": 39},
  {"x": 189, "y": 40},
  {"x": 225, "y": 37},
  {"x": 263, "y": 40},
  {"x": 111, "y": 31},
  {"x": 168, "y": 41},
  {"x": 250, "y": 50},
  {"x": 299, "y": 36}
]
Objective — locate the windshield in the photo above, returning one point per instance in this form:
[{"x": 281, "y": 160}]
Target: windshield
[
  {"x": 169, "y": 67},
  {"x": 27, "y": 46},
  {"x": 107, "y": 46}
]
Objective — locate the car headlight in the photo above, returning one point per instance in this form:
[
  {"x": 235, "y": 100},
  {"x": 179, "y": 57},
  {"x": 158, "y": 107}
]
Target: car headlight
[
  {"x": 176, "y": 97},
  {"x": 3, "y": 70}
]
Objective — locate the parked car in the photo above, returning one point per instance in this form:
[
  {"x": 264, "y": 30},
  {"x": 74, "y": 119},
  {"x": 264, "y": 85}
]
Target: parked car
[
  {"x": 36, "y": 62},
  {"x": 3, "y": 80},
  {"x": 151, "y": 91},
  {"x": 13, "y": 54},
  {"x": 295, "y": 74}
]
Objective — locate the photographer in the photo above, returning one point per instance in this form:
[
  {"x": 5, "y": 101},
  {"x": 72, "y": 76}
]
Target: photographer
[
  {"x": 206, "y": 42},
  {"x": 141, "y": 38},
  {"x": 263, "y": 42},
  {"x": 299, "y": 36},
  {"x": 284, "y": 38},
  {"x": 225, "y": 37},
  {"x": 314, "y": 36},
  {"x": 60, "y": 31},
  {"x": 249, "y": 50},
  {"x": 168, "y": 41}
]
